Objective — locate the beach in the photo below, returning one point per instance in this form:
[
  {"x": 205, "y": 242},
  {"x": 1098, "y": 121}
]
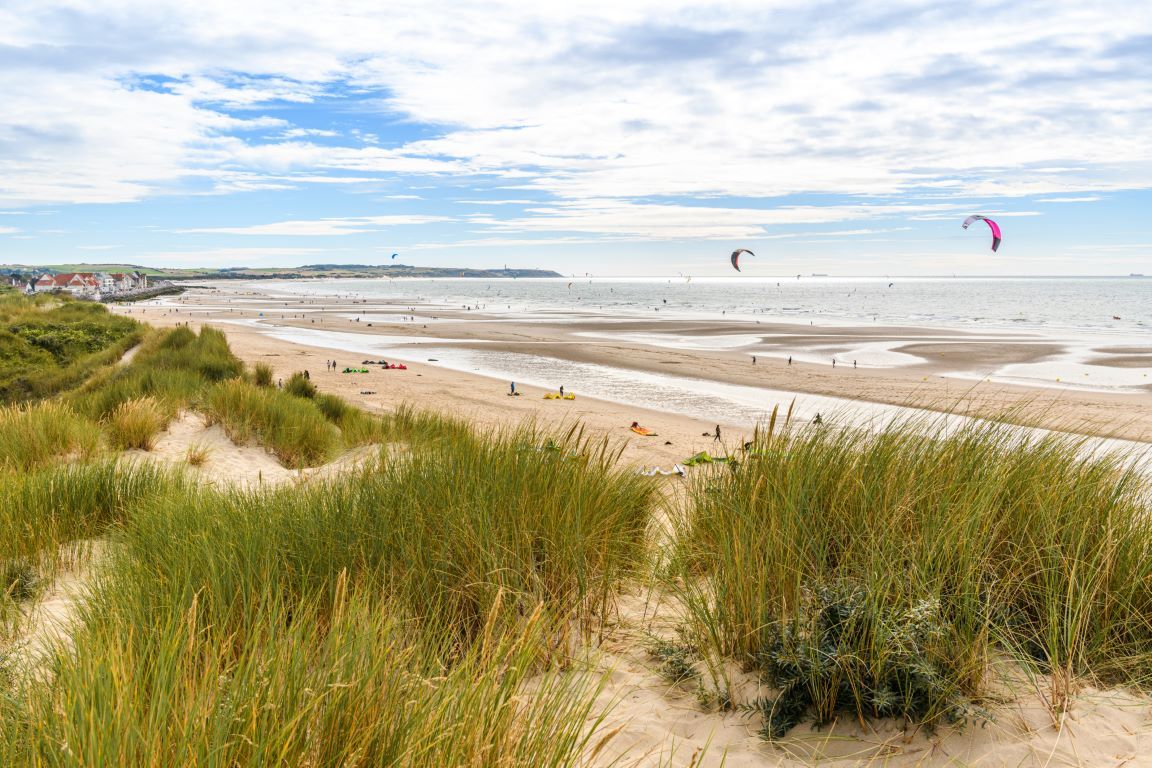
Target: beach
[{"x": 678, "y": 376}]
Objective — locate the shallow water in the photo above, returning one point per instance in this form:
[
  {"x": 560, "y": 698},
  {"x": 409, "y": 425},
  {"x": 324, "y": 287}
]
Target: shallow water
[{"x": 1075, "y": 304}]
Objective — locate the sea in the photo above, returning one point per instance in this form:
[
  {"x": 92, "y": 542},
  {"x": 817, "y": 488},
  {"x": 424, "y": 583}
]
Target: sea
[{"x": 1119, "y": 306}]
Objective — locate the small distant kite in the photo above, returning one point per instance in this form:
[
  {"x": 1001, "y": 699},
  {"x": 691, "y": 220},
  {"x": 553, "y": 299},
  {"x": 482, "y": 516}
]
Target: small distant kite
[
  {"x": 395, "y": 255},
  {"x": 569, "y": 286},
  {"x": 736, "y": 257},
  {"x": 991, "y": 225}
]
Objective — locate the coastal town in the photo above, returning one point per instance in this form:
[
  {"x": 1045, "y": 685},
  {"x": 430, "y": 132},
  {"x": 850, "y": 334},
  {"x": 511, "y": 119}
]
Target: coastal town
[{"x": 93, "y": 286}]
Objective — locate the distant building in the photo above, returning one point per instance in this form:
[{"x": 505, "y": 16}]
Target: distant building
[
  {"x": 16, "y": 280},
  {"x": 79, "y": 284},
  {"x": 90, "y": 285}
]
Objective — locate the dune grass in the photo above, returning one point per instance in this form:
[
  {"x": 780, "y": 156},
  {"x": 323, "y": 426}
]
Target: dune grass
[
  {"x": 42, "y": 510},
  {"x": 343, "y": 682},
  {"x": 135, "y": 423},
  {"x": 446, "y": 530},
  {"x": 262, "y": 375},
  {"x": 35, "y": 434},
  {"x": 291, "y": 427},
  {"x": 49, "y": 344},
  {"x": 876, "y": 574},
  {"x": 418, "y": 612},
  {"x": 173, "y": 367}
]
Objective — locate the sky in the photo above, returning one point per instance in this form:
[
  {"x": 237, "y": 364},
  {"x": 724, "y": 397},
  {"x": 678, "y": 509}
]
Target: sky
[{"x": 612, "y": 138}]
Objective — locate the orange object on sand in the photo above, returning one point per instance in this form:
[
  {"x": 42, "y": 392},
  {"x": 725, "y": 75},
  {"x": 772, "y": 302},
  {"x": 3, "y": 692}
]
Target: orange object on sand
[{"x": 642, "y": 430}]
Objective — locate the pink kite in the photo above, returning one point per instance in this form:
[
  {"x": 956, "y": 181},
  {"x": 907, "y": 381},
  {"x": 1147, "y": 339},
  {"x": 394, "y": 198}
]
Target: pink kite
[{"x": 991, "y": 225}]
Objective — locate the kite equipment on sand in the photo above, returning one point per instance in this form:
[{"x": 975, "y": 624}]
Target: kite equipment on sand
[
  {"x": 991, "y": 225},
  {"x": 736, "y": 257},
  {"x": 641, "y": 430},
  {"x": 676, "y": 470},
  {"x": 558, "y": 396}
]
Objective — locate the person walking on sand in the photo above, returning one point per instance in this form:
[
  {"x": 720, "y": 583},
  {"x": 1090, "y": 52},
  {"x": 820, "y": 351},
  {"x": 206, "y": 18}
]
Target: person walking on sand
[
  {"x": 512, "y": 388},
  {"x": 716, "y": 435},
  {"x": 561, "y": 390}
]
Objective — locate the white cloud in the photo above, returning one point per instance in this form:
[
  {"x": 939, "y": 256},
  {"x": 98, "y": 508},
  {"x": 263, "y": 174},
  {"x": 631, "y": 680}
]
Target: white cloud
[
  {"x": 498, "y": 202},
  {"x": 238, "y": 257},
  {"x": 596, "y": 106},
  {"x": 8, "y": 230},
  {"x": 1082, "y": 199},
  {"x": 97, "y": 247},
  {"x": 678, "y": 222},
  {"x": 319, "y": 227},
  {"x": 296, "y": 133}
]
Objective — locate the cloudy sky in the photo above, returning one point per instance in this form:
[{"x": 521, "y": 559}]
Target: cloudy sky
[{"x": 624, "y": 137}]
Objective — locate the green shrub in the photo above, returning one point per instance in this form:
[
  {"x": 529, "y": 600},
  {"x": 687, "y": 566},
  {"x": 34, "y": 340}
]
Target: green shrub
[{"x": 50, "y": 344}]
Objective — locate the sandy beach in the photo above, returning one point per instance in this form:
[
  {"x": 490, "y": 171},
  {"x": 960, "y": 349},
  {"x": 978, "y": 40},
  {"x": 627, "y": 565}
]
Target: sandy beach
[{"x": 927, "y": 368}]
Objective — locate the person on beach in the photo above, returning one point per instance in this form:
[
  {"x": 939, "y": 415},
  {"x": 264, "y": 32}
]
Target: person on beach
[
  {"x": 307, "y": 377},
  {"x": 512, "y": 388},
  {"x": 561, "y": 390},
  {"x": 789, "y": 359},
  {"x": 716, "y": 435},
  {"x": 753, "y": 359}
]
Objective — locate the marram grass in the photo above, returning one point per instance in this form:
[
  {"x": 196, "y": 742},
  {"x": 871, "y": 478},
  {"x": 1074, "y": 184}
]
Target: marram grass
[
  {"x": 416, "y": 613},
  {"x": 876, "y": 573},
  {"x": 136, "y": 423},
  {"x": 39, "y": 433}
]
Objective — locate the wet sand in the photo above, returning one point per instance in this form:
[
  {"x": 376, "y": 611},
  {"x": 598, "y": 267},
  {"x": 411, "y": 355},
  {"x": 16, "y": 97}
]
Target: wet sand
[{"x": 935, "y": 369}]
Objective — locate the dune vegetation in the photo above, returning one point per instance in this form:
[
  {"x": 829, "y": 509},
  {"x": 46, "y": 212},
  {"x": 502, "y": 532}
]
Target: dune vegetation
[
  {"x": 878, "y": 574},
  {"x": 49, "y": 344},
  {"x": 435, "y": 605}
]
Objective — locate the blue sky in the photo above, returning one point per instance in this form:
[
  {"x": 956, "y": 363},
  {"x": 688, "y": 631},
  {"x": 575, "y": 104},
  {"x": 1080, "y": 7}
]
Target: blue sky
[{"x": 614, "y": 138}]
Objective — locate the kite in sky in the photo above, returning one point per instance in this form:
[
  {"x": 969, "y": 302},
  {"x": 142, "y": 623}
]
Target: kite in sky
[
  {"x": 736, "y": 257},
  {"x": 991, "y": 225}
]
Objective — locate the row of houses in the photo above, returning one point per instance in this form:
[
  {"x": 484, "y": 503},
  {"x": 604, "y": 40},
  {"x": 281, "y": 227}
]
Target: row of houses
[{"x": 90, "y": 285}]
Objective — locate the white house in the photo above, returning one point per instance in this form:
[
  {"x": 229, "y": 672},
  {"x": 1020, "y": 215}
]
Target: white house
[{"x": 80, "y": 284}]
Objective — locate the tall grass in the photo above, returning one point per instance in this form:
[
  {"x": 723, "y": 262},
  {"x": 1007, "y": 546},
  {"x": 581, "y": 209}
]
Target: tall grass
[
  {"x": 445, "y": 531},
  {"x": 44, "y": 508},
  {"x": 32, "y": 435},
  {"x": 173, "y": 367},
  {"x": 412, "y": 614},
  {"x": 876, "y": 573},
  {"x": 49, "y": 344},
  {"x": 342, "y": 682},
  {"x": 262, "y": 375},
  {"x": 293, "y": 428},
  {"x": 135, "y": 423}
]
